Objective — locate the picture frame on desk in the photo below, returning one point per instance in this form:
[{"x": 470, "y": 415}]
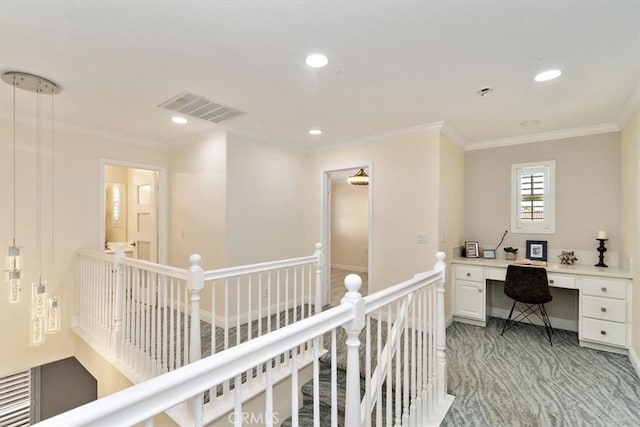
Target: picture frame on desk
[
  {"x": 471, "y": 250},
  {"x": 537, "y": 250},
  {"x": 489, "y": 254}
]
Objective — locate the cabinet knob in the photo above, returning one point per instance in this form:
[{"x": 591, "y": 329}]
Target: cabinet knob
[
  {"x": 551, "y": 281},
  {"x": 604, "y": 289},
  {"x": 603, "y": 309},
  {"x": 468, "y": 274},
  {"x": 603, "y": 332}
]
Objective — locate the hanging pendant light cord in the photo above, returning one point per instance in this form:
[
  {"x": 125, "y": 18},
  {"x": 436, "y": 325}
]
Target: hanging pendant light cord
[
  {"x": 14, "y": 161},
  {"x": 38, "y": 188},
  {"x": 52, "y": 202}
]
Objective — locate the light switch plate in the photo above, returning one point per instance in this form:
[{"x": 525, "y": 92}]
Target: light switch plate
[{"x": 422, "y": 238}]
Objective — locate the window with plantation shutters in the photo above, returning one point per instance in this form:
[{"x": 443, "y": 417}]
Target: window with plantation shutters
[
  {"x": 533, "y": 198},
  {"x": 15, "y": 399}
]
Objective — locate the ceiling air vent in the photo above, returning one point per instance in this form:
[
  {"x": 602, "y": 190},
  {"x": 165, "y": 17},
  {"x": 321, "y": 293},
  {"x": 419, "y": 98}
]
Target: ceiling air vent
[{"x": 193, "y": 105}]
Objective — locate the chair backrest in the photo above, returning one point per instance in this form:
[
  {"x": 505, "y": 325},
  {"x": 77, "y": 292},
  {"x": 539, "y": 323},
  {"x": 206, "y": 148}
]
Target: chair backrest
[{"x": 527, "y": 284}]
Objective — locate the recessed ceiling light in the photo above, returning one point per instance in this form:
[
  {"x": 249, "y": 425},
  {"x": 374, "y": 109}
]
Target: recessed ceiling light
[
  {"x": 547, "y": 75},
  {"x": 179, "y": 120},
  {"x": 316, "y": 60},
  {"x": 315, "y": 131},
  {"x": 530, "y": 123}
]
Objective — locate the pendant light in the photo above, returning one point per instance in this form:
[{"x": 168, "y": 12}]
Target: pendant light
[{"x": 44, "y": 312}]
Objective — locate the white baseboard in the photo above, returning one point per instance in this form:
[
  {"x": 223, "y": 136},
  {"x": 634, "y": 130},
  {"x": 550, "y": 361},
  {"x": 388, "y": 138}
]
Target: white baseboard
[
  {"x": 449, "y": 319},
  {"x": 635, "y": 360},
  {"x": 356, "y": 268},
  {"x": 557, "y": 323}
]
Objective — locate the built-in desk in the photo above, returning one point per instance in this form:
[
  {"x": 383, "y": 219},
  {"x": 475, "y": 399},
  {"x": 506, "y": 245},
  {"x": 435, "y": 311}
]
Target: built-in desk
[{"x": 604, "y": 298}]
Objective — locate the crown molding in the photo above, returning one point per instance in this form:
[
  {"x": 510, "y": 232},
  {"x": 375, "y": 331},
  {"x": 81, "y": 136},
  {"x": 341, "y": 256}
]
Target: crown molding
[
  {"x": 63, "y": 127},
  {"x": 454, "y": 136},
  {"x": 372, "y": 139},
  {"x": 631, "y": 104},
  {"x": 544, "y": 136}
]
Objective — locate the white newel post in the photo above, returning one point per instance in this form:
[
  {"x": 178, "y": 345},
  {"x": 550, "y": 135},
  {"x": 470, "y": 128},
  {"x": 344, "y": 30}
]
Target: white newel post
[
  {"x": 441, "y": 340},
  {"x": 195, "y": 283},
  {"x": 353, "y": 282},
  {"x": 118, "y": 302},
  {"x": 319, "y": 281}
]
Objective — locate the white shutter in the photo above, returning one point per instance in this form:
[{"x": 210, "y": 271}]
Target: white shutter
[{"x": 15, "y": 399}]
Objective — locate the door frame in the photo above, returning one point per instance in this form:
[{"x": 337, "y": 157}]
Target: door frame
[
  {"x": 162, "y": 197},
  {"x": 326, "y": 222}
]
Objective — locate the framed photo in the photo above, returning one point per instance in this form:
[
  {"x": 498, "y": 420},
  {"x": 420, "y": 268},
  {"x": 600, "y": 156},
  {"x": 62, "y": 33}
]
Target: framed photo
[
  {"x": 537, "y": 250},
  {"x": 472, "y": 249},
  {"x": 488, "y": 254}
]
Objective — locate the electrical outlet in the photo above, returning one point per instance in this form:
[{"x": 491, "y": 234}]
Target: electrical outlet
[{"x": 422, "y": 238}]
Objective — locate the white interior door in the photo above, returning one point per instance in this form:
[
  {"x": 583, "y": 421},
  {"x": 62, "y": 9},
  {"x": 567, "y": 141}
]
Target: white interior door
[{"x": 143, "y": 213}]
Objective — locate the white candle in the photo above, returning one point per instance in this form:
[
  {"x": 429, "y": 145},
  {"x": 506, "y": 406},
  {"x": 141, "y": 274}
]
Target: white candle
[{"x": 603, "y": 235}]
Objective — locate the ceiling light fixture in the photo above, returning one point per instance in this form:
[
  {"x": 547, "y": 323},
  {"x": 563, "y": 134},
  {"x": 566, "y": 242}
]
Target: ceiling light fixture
[
  {"x": 485, "y": 91},
  {"x": 179, "y": 120},
  {"x": 359, "y": 178},
  {"x": 316, "y": 60},
  {"x": 315, "y": 131},
  {"x": 547, "y": 75}
]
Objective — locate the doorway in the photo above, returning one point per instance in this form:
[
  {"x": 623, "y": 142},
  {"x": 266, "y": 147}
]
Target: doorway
[
  {"x": 347, "y": 230},
  {"x": 132, "y": 213}
]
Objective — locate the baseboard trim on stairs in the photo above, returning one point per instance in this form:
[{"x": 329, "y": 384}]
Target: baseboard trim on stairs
[
  {"x": 635, "y": 360},
  {"x": 449, "y": 320}
]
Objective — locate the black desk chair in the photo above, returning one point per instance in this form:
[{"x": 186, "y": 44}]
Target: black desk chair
[{"x": 529, "y": 286}]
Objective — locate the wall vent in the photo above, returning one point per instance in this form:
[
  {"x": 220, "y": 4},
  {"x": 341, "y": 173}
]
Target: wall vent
[{"x": 191, "y": 104}]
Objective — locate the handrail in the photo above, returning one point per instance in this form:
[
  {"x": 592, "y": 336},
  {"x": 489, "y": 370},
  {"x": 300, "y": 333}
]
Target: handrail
[
  {"x": 175, "y": 272},
  {"x": 392, "y": 293},
  {"x": 139, "y": 402},
  {"x": 224, "y": 273}
]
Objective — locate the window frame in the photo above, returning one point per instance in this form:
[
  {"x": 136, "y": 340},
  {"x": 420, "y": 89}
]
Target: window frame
[{"x": 518, "y": 170}]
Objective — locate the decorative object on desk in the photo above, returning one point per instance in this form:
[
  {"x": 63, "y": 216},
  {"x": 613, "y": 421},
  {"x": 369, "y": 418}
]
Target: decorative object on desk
[
  {"x": 510, "y": 253},
  {"x": 488, "y": 254},
  {"x": 471, "y": 249},
  {"x": 537, "y": 250},
  {"x": 567, "y": 257},
  {"x": 526, "y": 261},
  {"x": 602, "y": 237}
]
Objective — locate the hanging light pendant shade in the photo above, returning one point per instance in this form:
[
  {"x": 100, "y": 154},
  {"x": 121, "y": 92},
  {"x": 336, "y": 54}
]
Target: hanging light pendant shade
[
  {"x": 359, "y": 178},
  {"x": 45, "y": 314}
]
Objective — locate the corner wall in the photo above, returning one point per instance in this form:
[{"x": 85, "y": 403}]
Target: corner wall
[{"x": 630, "y": 155}]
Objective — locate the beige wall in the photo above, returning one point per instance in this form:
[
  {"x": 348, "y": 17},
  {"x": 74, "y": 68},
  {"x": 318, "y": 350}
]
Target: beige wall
[
  {"x": 404, "y": 179},
  {"x": 588, "y": 196},
  {"x": 451, "y": 205},
  {"x": 266, "y": 187},
  {"x": 349, "y": 226},
  {"x": 631, "y": 214},
  {"x": 197, "y": 181},
  {"x": 78, "y": 221}
]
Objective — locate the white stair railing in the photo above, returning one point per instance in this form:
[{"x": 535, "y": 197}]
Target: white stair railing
[
  {"x": 413, "y": 313},
  {"x": 145, "y": 317}
]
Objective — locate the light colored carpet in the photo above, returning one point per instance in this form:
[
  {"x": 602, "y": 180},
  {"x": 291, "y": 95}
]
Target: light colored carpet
[{"x": 520, "y": 380}]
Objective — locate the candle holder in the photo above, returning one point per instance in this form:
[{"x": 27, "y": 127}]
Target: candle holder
[{"x": 602, "y": 250}]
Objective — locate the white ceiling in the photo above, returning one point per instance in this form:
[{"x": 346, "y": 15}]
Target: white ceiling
[{"x": 393, "y": 66}]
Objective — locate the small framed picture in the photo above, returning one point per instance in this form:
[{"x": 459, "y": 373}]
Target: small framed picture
[
  {"x": 472, "y": 249},
  {"x": 537, "y": 250},
  {"x": 488, "y": 254}
]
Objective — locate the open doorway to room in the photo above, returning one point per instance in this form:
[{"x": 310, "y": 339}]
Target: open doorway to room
[
  {"x": 132, "y": 215},
  {"x": 347, "y": 230}
]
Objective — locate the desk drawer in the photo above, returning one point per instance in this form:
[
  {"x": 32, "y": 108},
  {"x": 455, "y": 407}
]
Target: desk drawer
[
  {"x": 560, "y": 281},
  {"x": 496, "y": 273},
  {"x": 475, "y": 274},
  {"x": 604, "y": 308},
  {"x": 604, "y": 288},
  {"x": 604, "y": 331}
]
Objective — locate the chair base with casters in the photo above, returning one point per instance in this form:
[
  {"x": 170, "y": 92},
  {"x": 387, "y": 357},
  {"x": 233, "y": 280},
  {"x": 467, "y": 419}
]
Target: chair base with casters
[{"x": 528, "y": 286}]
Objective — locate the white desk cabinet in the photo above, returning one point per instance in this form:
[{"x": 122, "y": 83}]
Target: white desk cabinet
[
  {"x": 470, "y": 288},
  {"x": 604, "y": 300}
]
